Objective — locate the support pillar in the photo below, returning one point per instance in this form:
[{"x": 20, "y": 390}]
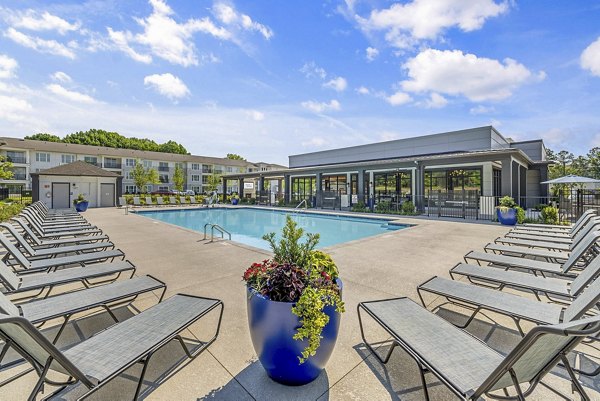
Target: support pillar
[
  {"x": 241, "y": 187},
  {"x": 506, "y": 177},
  {"x": 543, "y": 178},
  {"x": 371, "y": 200},
  {"x": 224, "y": 189},
  {"x": 420, "y": 187},
  {"x": 318, "y": 189},
  {"x": 361, "y": 186},
  {"x": 287, "y": 190}
]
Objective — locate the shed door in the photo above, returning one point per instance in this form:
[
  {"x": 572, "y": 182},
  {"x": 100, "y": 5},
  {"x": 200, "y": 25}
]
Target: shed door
[
  {"x": 60, "y": 195},
  {"x": 107, "y": 195}
]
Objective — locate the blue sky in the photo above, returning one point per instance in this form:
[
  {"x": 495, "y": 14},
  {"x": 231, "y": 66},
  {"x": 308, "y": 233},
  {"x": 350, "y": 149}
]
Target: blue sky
[{"x": 266, "y": 79}]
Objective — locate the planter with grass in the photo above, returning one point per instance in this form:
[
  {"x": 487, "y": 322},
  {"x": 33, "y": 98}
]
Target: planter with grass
[
  {"x": 80, "y": 203},
  {"x": 294, "y": 307}
]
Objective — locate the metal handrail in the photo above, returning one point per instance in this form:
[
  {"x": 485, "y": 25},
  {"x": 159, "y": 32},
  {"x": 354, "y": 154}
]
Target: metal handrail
[
  {"x": 214, "y": 227},
  {"x": 300, "y": 204}
]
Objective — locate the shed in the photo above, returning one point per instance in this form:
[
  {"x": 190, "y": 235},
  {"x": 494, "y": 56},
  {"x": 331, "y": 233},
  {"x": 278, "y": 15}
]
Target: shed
[{"x": 58, "y": 186}]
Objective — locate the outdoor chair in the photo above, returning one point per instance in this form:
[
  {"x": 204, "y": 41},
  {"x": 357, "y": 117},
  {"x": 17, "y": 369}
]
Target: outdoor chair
[
  {"x": 65, "y": 232},
  {"x": 182, "y": 200},
  {"x": 55, "y": 224},
  {"x": 518, "y": 308},
  {"x": 43, "y": 210},
  {"x": 193, "y": 200},
  {"x": 49, "y": 264},
  {"x": 465, "y": 364},
  {"x": 66, "y": 305},
  {"x": 136, "y": 201},
  {"x": 570, "y": 230},
  {"x": 99, "y": 359},
  {"x": 512, "y": 262},
  {"x": 172, "y": 201},
  {"x": 593, "y": 225},
  {"x": 50, "y": 252},
  {"x": 122, "y": 201},
  {"x": 159, "y": 201},
  {"x": 15, "y": 283},
  {"x": 149, "y": 201},
  {"x": 37, "y": 241}
]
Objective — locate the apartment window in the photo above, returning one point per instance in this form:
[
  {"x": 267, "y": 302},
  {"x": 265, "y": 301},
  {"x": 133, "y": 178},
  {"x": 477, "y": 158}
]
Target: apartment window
[
  {"x": 42, "y": 157},
  {"x": 163, "y": 166},
  {"x": 207, "y": 169},
  {"x": 110, "y": 162},
  {"x": 90, "y": 159},
  {"x": 163, "y": 188},
  {"x": 164, "y": 178},
  {"x": 196, "y": 189},
  {"x": 65, "y": 159},
  {"x": 205, "y": 179},
  {"x": 16, "y": 157},
  {"x": 229, "y": 169},
  {"x": 195, "y": 177},
  {"x": 148, "y": 188},
  {"x": 129, "y": 175},
  {"x": 147, "y": 163},
  {"x": 130, "y": 189},
  {"x": 195, "y": 166},
  {"x": 130, "y": 162}
]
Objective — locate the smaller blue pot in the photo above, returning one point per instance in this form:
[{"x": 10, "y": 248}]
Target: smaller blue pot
[
  {"x": 235, "y": 201},
  {"x": 507, "y": 217},
  {"x": 82, "y": 206}
]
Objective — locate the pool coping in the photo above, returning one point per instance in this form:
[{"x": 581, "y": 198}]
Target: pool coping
[{"x": 389, "y": 220}]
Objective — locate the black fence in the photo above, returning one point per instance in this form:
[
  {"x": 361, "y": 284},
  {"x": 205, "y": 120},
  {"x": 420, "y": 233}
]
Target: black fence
[
  {"x": 15, "y": 194},
  {"x": 459, "y": 204}
]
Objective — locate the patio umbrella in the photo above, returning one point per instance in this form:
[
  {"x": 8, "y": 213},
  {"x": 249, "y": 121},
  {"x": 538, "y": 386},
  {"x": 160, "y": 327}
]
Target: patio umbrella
[{"x": 572, "y": 179}]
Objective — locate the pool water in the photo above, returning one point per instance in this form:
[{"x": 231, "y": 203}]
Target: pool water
[{"x": 248, "y": 225}]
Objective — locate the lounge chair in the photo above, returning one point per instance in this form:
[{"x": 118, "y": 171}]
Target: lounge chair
[
  {"x": 57, "y": 225},
  {"x": 122, "y": 201},
  {"x": 477, "y": 299},
  {"x": 571, "y": 229},
  {"x": 149, "y": 201},
  {"x": 159, "y": 201},
  {"x": 21, "y": 262},
  {"x": 519, "y": 251},
  {"x": 65, "y": 232},
  {"x": 193, "y": 200},
  {"x": 466, "y": 365},
  {"x": 97, "y": 360},
  {"x": 47, "y": 214},
  {"x": 50, "y": 252},
  {"x": 136, "y": 201},
  {"x": 182, "y": 200},
  {"x": 37, "y": 241},
  {"x": 172, "y": 201},
  {"x": 15, "y": 284},
  {"x": 593, "y": 225}
]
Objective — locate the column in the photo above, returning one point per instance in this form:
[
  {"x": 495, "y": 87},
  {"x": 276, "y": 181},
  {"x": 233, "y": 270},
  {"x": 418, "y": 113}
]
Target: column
[
  {"x": 287, "y": 190},
  {"x": 506, "y": 177},
  {"x": 543, "y": 178},
  {"x": 224, "y": 189},
  {"x": 371, "y": 200},
  {"x": 361, "y": 186},
  {"x": 419, "y": 200}
]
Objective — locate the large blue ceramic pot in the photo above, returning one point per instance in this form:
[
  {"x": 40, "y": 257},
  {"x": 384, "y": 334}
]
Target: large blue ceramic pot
[
  {"x": 272, "y": 325},
  {"x": 235, "y": 201},
  {"x": 508, "y": 217},
  {"x": 82, "y": 206}
]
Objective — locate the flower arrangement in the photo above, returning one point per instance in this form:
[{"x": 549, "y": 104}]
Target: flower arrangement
[
  {"x": 506, "y": 202},
  {"x": 79, "y": 199},
  {"x": 301, "y": 275}
]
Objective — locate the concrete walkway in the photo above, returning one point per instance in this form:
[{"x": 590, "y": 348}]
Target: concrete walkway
[{"x": 385, "y": 266}]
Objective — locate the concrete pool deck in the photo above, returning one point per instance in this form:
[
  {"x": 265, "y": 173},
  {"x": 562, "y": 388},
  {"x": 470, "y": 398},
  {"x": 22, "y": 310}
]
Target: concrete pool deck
[{"x": 385, "y": 266}]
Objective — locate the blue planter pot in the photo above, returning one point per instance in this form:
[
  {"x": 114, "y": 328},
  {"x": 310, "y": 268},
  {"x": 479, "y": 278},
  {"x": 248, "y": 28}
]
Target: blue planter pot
[
  {"x": 82, "y": 206},
  {"x": 235, "y": 201},
  {"x": 272, "y": 325},
  {"x": 508, "y": 217}
]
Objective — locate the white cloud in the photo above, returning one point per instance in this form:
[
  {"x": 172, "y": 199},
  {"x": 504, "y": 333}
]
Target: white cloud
[
  {"x": 73, "y": 96},
  {"x": 399, "y": 98},
  {"x": 8, "y": 66},
  {"x": 405, "y": 25},
  {"x": 371, "y": 53},
  {"x": 230, "y": 16},
  {"x": 436, "y": 101},
  {"x": 12, "y": 108},
  {"x": 452, "y": 72},
  {"x": 388, "y": 136},
  {"x": 363, "y": 90},
  {"x": 315, "y": 142},
  {"x": 60, "y": 76},
  {"x": 167, "y": 85},
  {"x": 256, "y": 115},
  {"x": 34, "y": 21},
  {"x": 121, "y": 42},
  {"x": 338, "y": 84},
  {"x": 311, "y": 69},
  {"x": 590, "y": 58},
  {"x": 322, "y": 107},
  {"x": 39, "y": 44},
  {"x": 481, "y": 109}
]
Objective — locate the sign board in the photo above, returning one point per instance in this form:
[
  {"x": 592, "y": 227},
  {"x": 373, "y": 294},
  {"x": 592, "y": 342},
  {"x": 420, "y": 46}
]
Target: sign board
[{"x": 248, "y": 185}]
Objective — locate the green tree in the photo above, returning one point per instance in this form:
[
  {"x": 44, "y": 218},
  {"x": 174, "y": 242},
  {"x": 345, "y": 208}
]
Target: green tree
[
  {"x": 593, "y": 162},
  {"x": 233, "y": 156},
  {"x": 214, "y": 180},
  {"x": 5, "y": 169},
  {"x": 143, "y": 176},
  {"x": 178, "y": 178},
  {"x": 44, "y": 137}
]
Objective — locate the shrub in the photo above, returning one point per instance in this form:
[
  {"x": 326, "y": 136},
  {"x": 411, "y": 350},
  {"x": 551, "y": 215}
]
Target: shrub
[
  {"x": 289, "y": 249},
  {"x": 383, "y": 207},
  {"x": 360, "y": 207},
  {"x": 549, "y": 215},
  {"x": 10, "y": 210},
  {"x": 507, "y": 202},
  {"x": 408, "y": 208},
  {"x": 520, "y": 214}
]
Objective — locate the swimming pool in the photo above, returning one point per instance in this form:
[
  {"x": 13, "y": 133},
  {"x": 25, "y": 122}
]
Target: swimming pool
[{"x": 248, "y": 225}]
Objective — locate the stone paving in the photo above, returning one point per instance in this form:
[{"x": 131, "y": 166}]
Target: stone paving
[{"x": 388, "y": 265}]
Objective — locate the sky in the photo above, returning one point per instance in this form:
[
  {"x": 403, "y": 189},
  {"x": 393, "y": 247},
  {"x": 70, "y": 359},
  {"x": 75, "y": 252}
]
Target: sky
[{"x": 266, "y": 79}]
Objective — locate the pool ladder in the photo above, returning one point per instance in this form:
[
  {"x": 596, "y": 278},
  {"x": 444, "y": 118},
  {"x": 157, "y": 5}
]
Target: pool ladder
[
  {"x": 214, "y": 227},
  {"x": 300, "y": 204}
]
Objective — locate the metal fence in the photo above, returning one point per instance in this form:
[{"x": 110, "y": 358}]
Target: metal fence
[{"x": 16, "y": 193}]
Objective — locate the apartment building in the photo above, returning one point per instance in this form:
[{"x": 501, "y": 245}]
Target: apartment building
[{"x": 28, "y": 156}]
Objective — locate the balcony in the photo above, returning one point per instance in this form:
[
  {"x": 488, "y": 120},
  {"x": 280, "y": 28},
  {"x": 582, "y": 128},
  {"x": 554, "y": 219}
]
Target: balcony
[
  {"x": 19, "y": 177},
  {"x": 17, "y": 159},
  {"x": 164, "y": 179},
  {"x": 112, "y": 165},
  {"x": 163, "y": 168},
  {"x": 94, "y": 163}
]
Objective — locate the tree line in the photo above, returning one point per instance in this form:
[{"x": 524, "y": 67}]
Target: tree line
[
  {"x": 98, "y": 137},
  {"x": 566, "y": 163}
]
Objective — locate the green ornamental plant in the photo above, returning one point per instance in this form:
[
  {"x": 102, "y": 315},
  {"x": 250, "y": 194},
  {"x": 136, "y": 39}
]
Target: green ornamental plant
[
  {"x": 300, "y": 274},
  {"x": 549, "y": 215},
  {"x": 506, "y": 202},
  {"x": 79, "y": 200}
]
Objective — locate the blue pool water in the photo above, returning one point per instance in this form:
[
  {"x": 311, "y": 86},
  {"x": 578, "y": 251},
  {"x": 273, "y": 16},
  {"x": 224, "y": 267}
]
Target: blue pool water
[{"x": 248, "y": 225}]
